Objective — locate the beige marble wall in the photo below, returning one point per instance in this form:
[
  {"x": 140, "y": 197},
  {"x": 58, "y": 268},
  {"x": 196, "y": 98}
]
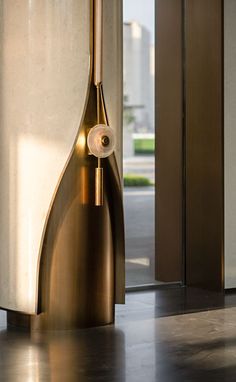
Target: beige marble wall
[{"x": 43, "y": 84}]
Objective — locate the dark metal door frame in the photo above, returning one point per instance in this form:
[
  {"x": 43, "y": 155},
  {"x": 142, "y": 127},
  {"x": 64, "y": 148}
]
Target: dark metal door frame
[{"x": 189, "y": 141}]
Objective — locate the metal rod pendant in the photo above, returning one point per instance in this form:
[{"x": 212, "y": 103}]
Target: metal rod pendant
[
  {"x": 98, "y": 22},
  {"x": 98, "y": 186}
]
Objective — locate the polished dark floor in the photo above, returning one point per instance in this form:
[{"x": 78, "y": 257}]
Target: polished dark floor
[{"x": 170, "y": 335}]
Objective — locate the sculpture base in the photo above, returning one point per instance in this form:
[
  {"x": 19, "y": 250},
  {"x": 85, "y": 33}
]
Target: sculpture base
[{"x": 42, "y": 322}]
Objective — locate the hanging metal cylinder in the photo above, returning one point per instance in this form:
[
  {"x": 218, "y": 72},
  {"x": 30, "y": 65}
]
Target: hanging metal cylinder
[{"x": 98, "y": 186}]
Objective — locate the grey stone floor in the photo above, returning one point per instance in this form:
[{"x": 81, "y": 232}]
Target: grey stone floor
[{"x": 158, "y": 336}]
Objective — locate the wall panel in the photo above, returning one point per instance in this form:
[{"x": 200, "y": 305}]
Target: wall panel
[{"x": 204, "y": 143}]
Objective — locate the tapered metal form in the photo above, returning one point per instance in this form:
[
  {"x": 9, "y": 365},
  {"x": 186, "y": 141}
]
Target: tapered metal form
[{"x": 80, "y": 272}]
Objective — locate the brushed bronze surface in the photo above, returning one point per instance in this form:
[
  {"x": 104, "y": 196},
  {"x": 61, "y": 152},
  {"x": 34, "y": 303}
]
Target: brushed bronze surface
[
  {"x": 98, "y": 186},
  {"x": 98, "y": 27},
  {"x": 77, "y": 272},
  {"x": 81, "y": 273}
]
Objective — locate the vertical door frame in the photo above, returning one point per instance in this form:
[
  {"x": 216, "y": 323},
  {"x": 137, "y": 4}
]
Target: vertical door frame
[
  {"x": 190, "y": 114},
  {"x": 169, "y": 140}
]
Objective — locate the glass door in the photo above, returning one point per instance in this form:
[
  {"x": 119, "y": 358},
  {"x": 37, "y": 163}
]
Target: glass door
[{"x": 139, "y": 140}]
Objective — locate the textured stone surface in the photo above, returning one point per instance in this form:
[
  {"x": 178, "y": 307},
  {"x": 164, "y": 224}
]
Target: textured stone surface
[{"x": 44, "y": 80}]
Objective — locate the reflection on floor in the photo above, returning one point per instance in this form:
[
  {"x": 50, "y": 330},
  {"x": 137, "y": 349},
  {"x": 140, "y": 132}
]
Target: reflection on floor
[{"x": 158, "y": 336}]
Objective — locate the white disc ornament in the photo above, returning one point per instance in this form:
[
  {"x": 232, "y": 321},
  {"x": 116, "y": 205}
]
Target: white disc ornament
[{"x": 101, "y": 141}]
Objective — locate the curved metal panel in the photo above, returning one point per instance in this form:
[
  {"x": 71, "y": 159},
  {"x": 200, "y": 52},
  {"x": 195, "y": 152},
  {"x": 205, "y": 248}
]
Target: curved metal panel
[
  {"x": 77, "y": 264},
  {"x": 82, "y": 262},
  {"x": 44, "y": 80}
]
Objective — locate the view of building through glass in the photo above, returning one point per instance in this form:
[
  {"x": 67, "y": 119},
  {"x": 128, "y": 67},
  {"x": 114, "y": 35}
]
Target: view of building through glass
[{"x": 139, "y": 140}]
